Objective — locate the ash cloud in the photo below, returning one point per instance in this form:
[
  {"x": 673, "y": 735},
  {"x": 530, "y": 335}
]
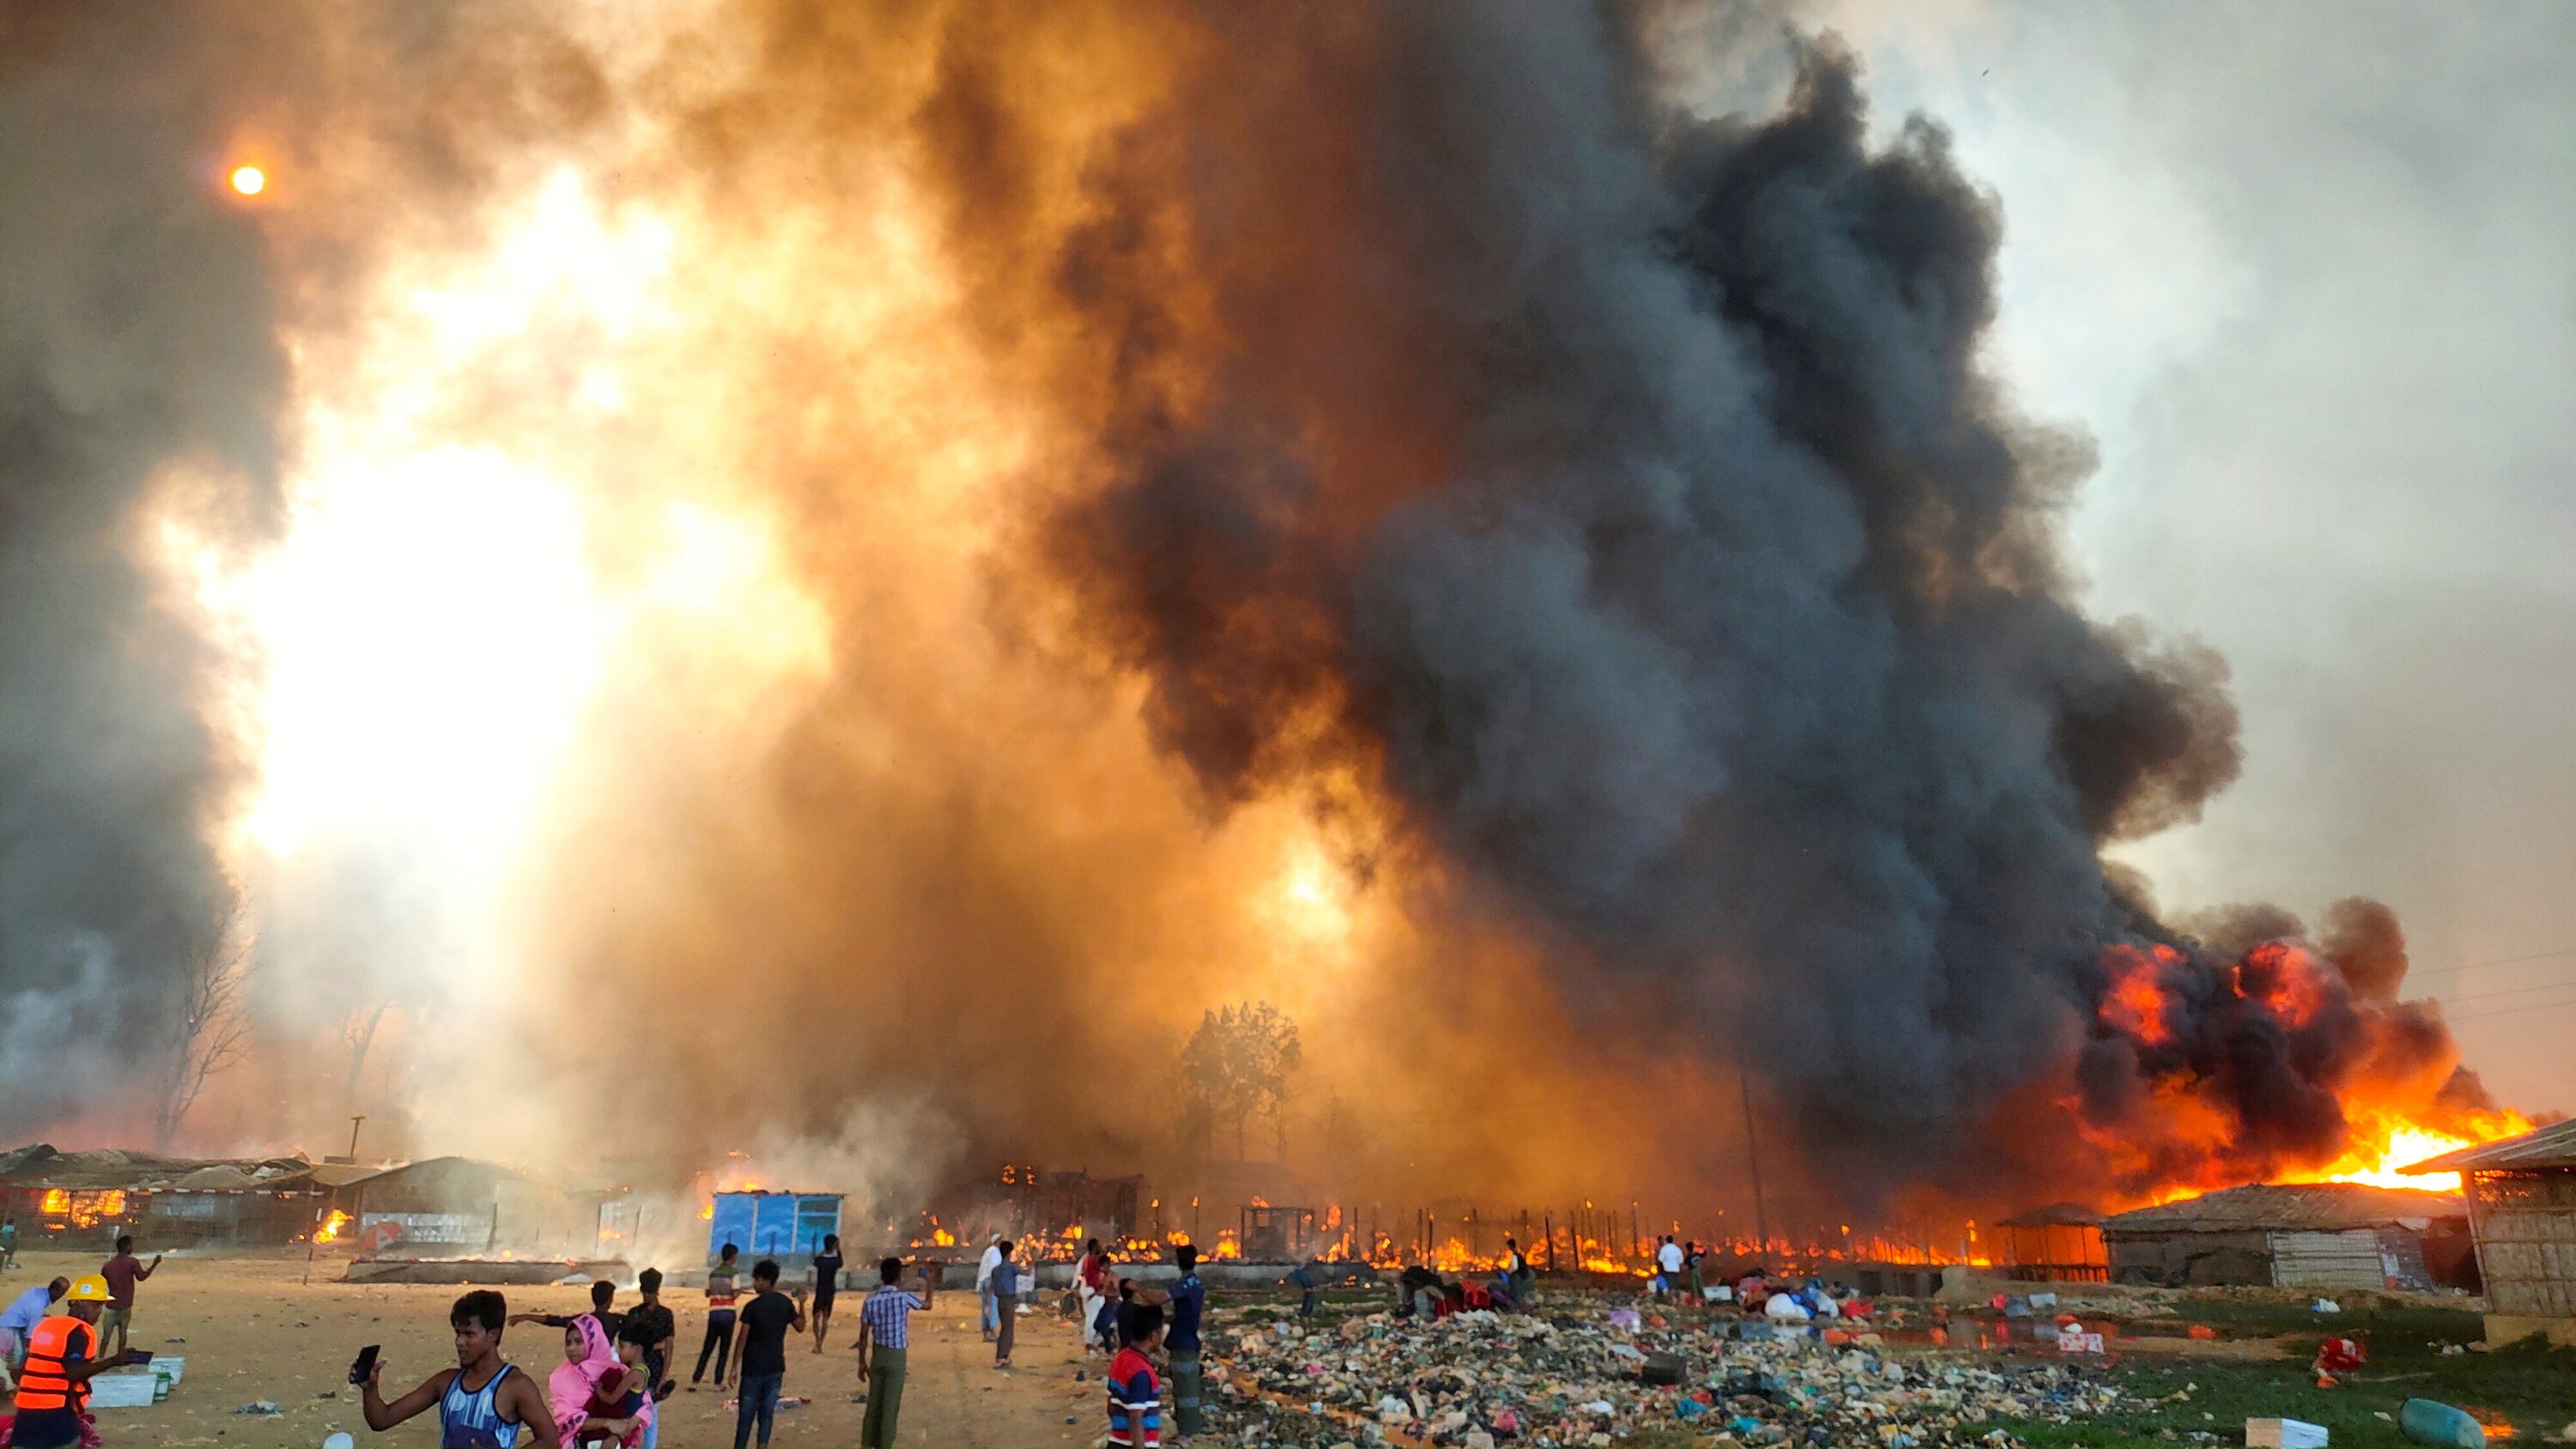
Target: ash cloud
[
  {"x": 1625, "y": 490},
  {"x": 134, "y": 338}
]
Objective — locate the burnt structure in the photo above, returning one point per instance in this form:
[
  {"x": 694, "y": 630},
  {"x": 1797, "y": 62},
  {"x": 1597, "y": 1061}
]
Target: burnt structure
[
  {"x": 2327, "y": 1235},
  {"x": 2522, "y": 1210}
]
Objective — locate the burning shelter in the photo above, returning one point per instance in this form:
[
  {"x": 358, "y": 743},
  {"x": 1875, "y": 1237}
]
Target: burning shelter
[
  {"x": 457, "y": 1207},
  {"x": 2322, "y": 1235},
  {"x": 2522, "y": 1211},
  {"x": 84, "y": 1199},
  {"x": 2060, "y": 1243}
]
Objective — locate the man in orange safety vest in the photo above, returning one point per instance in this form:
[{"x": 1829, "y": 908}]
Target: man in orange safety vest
[{"x": 61, "y": 1360}]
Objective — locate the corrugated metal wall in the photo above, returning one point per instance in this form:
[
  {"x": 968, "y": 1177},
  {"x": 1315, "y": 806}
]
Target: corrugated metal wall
[{"x": 2348, "y": 1259}]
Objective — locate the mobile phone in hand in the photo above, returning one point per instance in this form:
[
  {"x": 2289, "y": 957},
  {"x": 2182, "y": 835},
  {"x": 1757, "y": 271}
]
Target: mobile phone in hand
[{"x": 365, "y": 1366}]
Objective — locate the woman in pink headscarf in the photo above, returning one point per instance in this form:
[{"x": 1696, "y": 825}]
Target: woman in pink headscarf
[{"x": 587, "y": 1390}]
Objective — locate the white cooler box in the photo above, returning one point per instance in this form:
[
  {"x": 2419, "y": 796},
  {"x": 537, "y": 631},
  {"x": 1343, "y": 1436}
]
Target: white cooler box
[{"x": 125, "y": 1388}]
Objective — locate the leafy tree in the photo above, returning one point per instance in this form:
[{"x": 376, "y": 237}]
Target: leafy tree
[{"x": 1237, "y": 1064}]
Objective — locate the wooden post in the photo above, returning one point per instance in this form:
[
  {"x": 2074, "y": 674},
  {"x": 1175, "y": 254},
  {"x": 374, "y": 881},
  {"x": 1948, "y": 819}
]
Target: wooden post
[
  {"x": 1753, "y": 1156},
  {"x": 1548, "y": 1220}
]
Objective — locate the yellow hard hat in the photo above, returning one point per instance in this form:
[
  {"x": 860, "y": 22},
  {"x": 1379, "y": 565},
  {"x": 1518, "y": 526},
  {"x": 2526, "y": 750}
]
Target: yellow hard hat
[{"x": 90, "y": 1288}]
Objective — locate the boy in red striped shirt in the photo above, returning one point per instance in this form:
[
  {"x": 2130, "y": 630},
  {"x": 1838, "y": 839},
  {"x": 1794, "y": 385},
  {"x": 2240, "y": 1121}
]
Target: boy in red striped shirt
[{"x": 1135, "y": 1395}]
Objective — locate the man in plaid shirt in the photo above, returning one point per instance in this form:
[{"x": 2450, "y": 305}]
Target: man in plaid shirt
[{"x": 885, "y": 1332}]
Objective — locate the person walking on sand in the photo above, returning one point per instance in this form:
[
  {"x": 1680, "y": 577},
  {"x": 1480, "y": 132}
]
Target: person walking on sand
[
  {"x": 760, "y": 1352},
  {"x": 827, "y": 1286},
  {"x": 994, "y": 1252},
  {"x": 122, "y": 1272},
  {"x": 1668, "y": 1265},
  {"x": 483, "y": 1402},
  {"x": 720, "y": 1295},
  {"x": 9, "y": 1242},
  {"x": 885, "y": 1335},
  {"x": 1004, "y": 1282}
]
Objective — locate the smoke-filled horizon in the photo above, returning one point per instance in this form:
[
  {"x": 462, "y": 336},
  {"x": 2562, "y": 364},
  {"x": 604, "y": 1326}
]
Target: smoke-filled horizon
[{"x": 835, "y": 565}]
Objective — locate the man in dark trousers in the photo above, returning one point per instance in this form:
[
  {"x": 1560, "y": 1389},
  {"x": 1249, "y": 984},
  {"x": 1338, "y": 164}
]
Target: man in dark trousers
[
  {"x": 655, "y": 1317},
  {"x": 760, "y": 1352},
  {"x": 1187, "y": 1300},
  {"x": 122, "y": 1272},
  {"x": 885, "y": 1335},
  {"x": 720, "y": 1296}
]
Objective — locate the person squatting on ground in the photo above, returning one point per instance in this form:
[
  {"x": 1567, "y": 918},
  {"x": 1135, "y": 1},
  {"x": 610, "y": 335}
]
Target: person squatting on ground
[
  {"x": 482, "y": 1403},
  {"x": 1135, "y": 1395},
  {"x": 760, "y": 1352},
  {"x": 720, "y": 1296},
  {"x": 122, "y": 1272},
  {"x": 885, "y": 1334},
  {"x": 53, "y": 1392}
]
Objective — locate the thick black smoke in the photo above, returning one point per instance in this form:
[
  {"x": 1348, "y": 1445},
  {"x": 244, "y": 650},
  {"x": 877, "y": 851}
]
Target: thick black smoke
[
  {"x": 134, "y": 339},
  {"x": 1627, "y": 490}
]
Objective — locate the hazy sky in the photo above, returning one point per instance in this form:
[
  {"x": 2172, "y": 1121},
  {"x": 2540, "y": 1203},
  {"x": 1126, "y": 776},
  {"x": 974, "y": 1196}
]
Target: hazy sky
[{"x": 2304, "y": 272}]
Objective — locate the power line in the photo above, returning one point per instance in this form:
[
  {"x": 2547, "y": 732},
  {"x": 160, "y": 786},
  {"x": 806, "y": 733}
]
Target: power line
[
  {"x": 2559, "y": 984},
  {"x": 2498, "y": 961},
  {"x": 2514, "y": 1010}
]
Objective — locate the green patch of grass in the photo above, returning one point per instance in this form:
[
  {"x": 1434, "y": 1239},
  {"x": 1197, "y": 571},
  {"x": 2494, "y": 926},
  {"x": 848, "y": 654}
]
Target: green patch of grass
[{"x": 2533, "y": 1386}]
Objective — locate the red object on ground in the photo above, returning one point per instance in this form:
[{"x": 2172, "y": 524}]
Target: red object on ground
[
  {"x": 2203, "y": 1330},
  {"x": 2340, "y": 1355},
  {"x": 1859, "y": 1308}
]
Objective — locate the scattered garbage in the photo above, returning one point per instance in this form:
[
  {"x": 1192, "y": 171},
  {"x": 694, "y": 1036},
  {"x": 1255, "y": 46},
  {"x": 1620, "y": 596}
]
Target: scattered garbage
[
  {"x": 260, "y": 1407},
  {"x": 2325, "y": 1305},
  {"x": 2284, "y": 1434},
  {"x": 2428, "y": 1422},
  {"x": 2071, "y": 1338},
  {"x": 1572, "y": 1380}
]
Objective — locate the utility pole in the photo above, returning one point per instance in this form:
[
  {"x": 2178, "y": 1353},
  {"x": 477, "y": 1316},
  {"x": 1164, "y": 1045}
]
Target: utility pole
[
  {"x": 1753, "y": 1154},
  {"x": 353, "y": 1136}
]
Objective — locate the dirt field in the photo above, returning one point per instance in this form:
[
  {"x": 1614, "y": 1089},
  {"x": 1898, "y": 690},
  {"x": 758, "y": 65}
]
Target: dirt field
[{"x": 252, "y": 1331}]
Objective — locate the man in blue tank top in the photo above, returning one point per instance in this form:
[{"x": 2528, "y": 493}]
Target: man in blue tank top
[{"x": 483, "y": 1402}]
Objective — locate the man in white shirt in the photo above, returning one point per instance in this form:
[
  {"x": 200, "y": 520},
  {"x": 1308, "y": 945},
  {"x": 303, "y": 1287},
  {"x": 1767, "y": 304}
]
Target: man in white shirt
[
  {"x": 984, "y": 1285},
  {"x": 1668, "y": 1262}
]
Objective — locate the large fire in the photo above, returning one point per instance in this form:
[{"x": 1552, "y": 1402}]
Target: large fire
[{"x": 2354, "y": 1085}]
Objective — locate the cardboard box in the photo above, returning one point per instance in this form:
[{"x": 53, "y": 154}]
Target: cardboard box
[{"x": 2284, "y": 1434}]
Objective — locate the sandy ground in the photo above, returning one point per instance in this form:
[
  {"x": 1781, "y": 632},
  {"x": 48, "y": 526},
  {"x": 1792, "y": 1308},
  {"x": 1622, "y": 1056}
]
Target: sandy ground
[{"x": 251, "y": 1330}]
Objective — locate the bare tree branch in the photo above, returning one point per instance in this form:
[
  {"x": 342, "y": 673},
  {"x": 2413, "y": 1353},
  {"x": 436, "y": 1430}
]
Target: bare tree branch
[{"x": 213, "y": 1027}]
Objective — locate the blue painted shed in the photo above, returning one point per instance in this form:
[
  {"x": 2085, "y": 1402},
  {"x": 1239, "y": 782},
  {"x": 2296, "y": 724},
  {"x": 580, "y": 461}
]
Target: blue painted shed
[{"x": 773, "y": 1224}]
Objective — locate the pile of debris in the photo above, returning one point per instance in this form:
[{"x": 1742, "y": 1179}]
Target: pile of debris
[{"x": 1481, "y": 1379}]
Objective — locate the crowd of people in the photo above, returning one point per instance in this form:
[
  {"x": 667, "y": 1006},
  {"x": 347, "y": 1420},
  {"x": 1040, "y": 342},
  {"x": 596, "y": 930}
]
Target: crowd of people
[{"x": 619, "y": 1364}]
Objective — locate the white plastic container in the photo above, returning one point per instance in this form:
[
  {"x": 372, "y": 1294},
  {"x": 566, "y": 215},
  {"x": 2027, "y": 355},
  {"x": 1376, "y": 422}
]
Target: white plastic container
[
  {"x": 123, "y": 1388},
  {"x": 2284, "y": 1434}
]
